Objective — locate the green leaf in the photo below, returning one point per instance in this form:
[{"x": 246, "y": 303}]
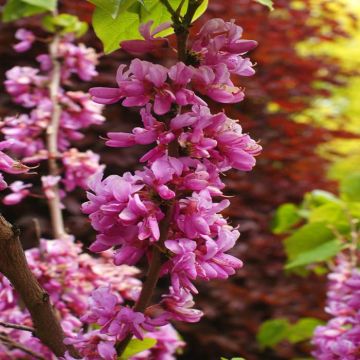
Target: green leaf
[
  {"x": 307, "y": 238},
  {"x": 112, "y": 7},
  {"x": 350, "y": 187},
  {"x": 50, "y": 5},
  {"x": 318, "y": 197},
  {"x": 268, "y": 3},
  {"x": 136, "y": 346},
  {"x": 125, "y": 26},
  {"x": 64, "y": 24},
  {"x": 331, "y": 213},
  {"x": 156, "y": 11},
  {"x": 322, "y": 252},
  {"x": 17, "y": 9},
  {"x": 303, "y": 329},
  {"x": 286, "y": 216},
  {"x": 112, "y": 31},
  {"x": 272, "y": 331}
]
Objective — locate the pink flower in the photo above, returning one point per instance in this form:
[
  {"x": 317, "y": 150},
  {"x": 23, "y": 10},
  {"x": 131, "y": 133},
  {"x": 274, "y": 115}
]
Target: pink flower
[
  {"x": 116, "y": 320},
  {"x": 150, "y": 42},
  {"x": 145, "y": 82},
  {"x": 76, "y": 59},
  {"x": 215, "y": 83},
  {"x": 48, "y": 183},
  {"x": 181, "y": 75},
  {"x": 25, "y": 85},
  {"x": 198, "y": 214},
  {"x": 220, "y": 42},
  {"x": 103, "y": 306},
  {"x": 121, "y": 216},
  {"x": 26, "y": 40},
  {"x": 3, "y": 184},
  {"x": 182, "y": 266},
  {"x": 216, "y": 137},
  {"x": 8, "y": 164},
  {"x": 145, "y": 214},
  {"x": 79, "y": 167},
  {"x": 162, "y": 171},
  {"x": 212, "y": 262},
  {"x": 178, "y": 306},
  {"x": 92, "y": 345},
  {"x": 19, "y": 192},
  {"x": 138, "y": 136}
]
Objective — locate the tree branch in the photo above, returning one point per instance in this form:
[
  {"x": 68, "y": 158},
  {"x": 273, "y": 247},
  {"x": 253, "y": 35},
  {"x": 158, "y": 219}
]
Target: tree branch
[{"x": 14, "y": 266}]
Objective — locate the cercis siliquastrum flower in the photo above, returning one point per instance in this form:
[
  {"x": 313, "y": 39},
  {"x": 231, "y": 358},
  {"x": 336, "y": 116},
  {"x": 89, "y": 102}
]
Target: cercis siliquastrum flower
[{"x": 170, "y": 211}]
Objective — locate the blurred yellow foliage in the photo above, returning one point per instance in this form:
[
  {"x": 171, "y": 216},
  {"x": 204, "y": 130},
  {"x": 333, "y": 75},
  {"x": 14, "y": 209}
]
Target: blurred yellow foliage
[{"x": 342, "y": 110}]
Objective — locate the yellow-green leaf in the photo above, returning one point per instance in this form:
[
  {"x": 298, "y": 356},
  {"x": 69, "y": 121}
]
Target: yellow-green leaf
[{"x": 137, "y": 346}]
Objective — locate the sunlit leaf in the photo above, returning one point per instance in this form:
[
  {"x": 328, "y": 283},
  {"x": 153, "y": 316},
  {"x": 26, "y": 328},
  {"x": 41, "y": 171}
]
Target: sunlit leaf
[
  {"x": 136, "y": 346},
  {"x": 268, "y": 3}
]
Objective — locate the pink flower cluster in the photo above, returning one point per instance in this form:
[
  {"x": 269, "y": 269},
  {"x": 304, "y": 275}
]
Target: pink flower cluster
[
  {"x": 128, "y": 211},
  {"x": 25, "y": 134},
  {"x": 340, "y": 337}
]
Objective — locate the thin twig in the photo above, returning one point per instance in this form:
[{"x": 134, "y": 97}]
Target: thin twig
[
  {"x": 57, "y": 220},
  {"x": 17, "y": 326},
  {"x": 12, "y": 344}
]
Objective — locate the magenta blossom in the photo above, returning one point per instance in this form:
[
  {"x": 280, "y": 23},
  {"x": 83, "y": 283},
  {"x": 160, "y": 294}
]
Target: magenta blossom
[
  {"x": 48, "y": 183},
  {"x": 26, "y": 38},
  {"x": 178, "y": 306},
  {"x": 145, "y": 82},
  {"x": 8, "y": 164},
  {"x": 19, "y": 192},
  {"x": 150, "y": 42},
  {"x": 215, "y": 83},
  {"x": 25, "y": 85}
]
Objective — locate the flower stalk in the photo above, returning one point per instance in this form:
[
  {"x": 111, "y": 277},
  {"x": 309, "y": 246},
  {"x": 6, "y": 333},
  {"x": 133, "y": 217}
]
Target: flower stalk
[{"x": 52, "y": 132}]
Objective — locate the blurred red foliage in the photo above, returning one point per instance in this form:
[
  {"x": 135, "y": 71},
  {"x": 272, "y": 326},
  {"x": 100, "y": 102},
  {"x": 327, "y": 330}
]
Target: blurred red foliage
[{"x": 287, "y": 169}]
